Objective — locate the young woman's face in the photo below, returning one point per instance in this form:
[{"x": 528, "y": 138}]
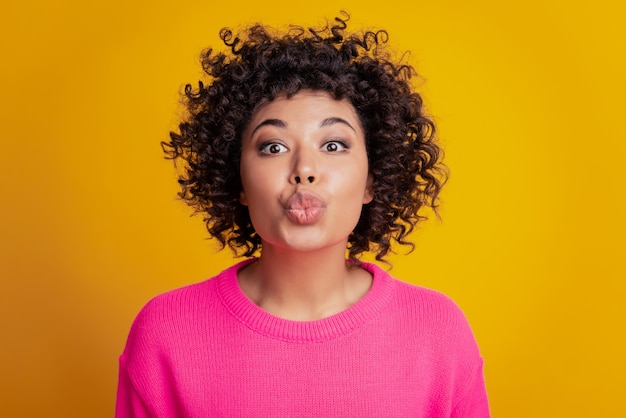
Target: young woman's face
[{"x": 304, "y": 171}]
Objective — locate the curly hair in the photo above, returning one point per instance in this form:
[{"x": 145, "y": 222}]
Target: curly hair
[{"x": 259, "y": 64}]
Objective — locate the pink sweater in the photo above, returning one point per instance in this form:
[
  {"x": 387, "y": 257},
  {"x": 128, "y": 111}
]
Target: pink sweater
[{"x": 207, "y": 351}]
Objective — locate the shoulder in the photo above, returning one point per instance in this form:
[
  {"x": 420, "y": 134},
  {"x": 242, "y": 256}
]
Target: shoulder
[
  {"x": 177, "y": 302},
  {"x": 191, "y": 298},
  {"x": 171, "y": 314},
  {"x": 438, "y": 338},
  {"x": 416, "y": 299},
  {"x": 428, "y": 303},
  {"x": 426, "y": 312}
]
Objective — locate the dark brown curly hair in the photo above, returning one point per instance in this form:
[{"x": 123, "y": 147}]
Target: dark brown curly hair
[{"x": 260, "y": 64}]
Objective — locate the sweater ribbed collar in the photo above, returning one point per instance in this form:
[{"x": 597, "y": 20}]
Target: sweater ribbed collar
[{"x": 342, "y": 323}]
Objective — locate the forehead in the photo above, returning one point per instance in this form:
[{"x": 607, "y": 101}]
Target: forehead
[{"x": 305, "y": 106}]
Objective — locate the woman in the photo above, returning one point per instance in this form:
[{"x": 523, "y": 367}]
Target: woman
[{"x": 306, "y": 149}]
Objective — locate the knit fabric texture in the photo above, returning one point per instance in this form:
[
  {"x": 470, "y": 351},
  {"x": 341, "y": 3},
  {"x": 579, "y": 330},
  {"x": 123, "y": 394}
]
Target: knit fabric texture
[{"x": 206, "y": 350}]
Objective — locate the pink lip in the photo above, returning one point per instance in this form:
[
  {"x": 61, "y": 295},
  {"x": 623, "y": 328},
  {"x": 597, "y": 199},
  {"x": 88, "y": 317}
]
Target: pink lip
[{"x": 304, "y": 208}]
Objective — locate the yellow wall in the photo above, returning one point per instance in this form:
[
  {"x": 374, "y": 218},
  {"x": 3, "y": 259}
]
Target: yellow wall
[{"x": 529, "y": 99}]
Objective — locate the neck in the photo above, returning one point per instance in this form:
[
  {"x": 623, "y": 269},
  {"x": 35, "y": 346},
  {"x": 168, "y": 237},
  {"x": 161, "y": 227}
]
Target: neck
[{"x": 304, "y": 286}]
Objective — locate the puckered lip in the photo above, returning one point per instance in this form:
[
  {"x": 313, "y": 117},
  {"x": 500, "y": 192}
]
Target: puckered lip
[
  {"x": 304, "y": 207},
  {"x": 304, "y": 199}
]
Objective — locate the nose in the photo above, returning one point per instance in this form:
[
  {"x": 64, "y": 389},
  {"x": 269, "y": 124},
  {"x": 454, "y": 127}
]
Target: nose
[
  {"x": 304, "y": 168},
  {"x": 308, "y": 179}
]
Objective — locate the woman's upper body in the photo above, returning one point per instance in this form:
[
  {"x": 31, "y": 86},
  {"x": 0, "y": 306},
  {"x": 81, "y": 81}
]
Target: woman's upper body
[
  {"x": 305, "y": 150},
  {"x": 208, "y": 350}
]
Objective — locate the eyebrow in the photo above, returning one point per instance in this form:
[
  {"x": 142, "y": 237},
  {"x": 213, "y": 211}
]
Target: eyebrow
[
  {"x": 281, "y": 124},
  {"x": 272, "y": 122},
  {"x": 332, "y": 121}
]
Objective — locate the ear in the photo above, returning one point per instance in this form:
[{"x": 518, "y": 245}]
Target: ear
[
  {"x": 243, "y": 199},
  {"x": 368, "y": 196}
]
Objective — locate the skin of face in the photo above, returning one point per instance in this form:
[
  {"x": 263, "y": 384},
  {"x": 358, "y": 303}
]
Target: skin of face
[{"x": 304, "y": 172}]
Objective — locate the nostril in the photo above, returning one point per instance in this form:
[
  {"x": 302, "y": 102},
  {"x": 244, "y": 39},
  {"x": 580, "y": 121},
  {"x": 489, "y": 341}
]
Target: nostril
[
  {"x": 297, "y": 179},
  {"x": 310, "y": 178}
]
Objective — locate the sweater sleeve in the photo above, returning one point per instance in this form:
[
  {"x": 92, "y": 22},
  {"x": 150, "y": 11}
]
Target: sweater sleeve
[
  {"x": 146, "y": 388},
  {"x": 465, "y": 364},
  {"x": 474, "y": 403},
  {"x": 129, "y": 404}
]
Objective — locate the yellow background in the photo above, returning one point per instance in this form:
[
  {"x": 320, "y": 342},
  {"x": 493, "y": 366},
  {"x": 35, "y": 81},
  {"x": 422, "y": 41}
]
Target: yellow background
[{"x": 529, "y": 100}]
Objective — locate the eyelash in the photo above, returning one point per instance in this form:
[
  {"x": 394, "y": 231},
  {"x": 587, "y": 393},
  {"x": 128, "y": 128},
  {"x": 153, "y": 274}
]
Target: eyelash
[
  {"x": 342, "y": 145},
  {"x": 264, "y": 148}
]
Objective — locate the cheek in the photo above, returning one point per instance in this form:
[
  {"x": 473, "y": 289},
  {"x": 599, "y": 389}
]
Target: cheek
[
  {"x": 355, "y": 180},
  {"x": 247, "y": 178},
  {"x": 257, "y": 191}
]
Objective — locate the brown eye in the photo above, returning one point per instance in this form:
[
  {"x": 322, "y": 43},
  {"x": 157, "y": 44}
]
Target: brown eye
[
  {"x": 334, "y": 146},
  {"x": 272, "y": 148}
]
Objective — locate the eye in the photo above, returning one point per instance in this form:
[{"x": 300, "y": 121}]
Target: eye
[
  {"x": 272, "y": 148},
  {"x": 334, "y": 146}
]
